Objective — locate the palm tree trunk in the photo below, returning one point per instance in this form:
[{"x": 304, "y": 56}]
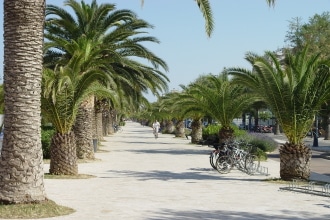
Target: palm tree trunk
[
  {"x": 327, "y": 127},
  {"x": 295, "y": 162},
  {"x": 21, "y": 170},
  {"x": 277, "y": 128},
  {"x": 63, "y": 155},
  {"x": 226, "y": 134},
  {"x": 83, "y": 130},
  {"x": 111, "y": 122},
  {"x": 196, "y": 131},
  {"x": 169, "y": 127},
  {"x": 99, "y": 127},
  {"x": 105, "y": 121},
  {"x": 179, "y": 129}
]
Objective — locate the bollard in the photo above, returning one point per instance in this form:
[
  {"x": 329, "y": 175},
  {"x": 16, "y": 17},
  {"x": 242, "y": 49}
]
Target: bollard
[
  {"x": 315, "y": 140},
  {"x": 95, "y": 144}
]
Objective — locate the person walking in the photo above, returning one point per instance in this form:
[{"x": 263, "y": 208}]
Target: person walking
[{"x": 156, "y": 127}]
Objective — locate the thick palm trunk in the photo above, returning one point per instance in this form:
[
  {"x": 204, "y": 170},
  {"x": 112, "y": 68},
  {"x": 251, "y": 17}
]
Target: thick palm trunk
[
  {"x": 105, "y": 121},
  {"x": 63, "y": 155},
  {"x": 111, "y": 123},
  {"x": 295, "y": 162},
  {"x": 327, "y": 127},
  {"x": 277, "y": 128},
  {"x": 169, "y": 128},
  {"x": 196, "y": 131},
  {"x": 99, "y": 126},
  {"x": 179, "y": 129},
  {"x": 84, "y": 137},
  {"x": 83, "y": 130},
  {"x": 21, "y": 164},
  {"x": 226, "y": 134}
]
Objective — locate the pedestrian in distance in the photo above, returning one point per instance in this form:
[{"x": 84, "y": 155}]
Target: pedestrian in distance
[{"x": 155, "y": 127}]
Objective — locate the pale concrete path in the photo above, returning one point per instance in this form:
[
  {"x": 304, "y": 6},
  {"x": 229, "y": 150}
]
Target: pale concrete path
[{"x": 140, "y": 177}]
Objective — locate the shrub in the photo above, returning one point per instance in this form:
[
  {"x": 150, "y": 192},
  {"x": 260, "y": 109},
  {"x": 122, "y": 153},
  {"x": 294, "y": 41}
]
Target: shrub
[
  {"x": 265, "y": 143},
  {"x": 262, "y": 143},
  {"x": 211, "y": 131},
  {"x": 238, "y": 132},
  {"x": 47, "y": 133}
]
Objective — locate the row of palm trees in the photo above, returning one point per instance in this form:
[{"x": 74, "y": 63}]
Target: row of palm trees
[
  {"x": 90, "y": 55},
  {"x": 295, "y": 89},
  {"x": 21, "y": 170}
]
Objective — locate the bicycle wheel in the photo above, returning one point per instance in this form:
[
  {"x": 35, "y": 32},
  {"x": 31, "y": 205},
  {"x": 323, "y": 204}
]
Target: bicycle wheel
[
  {"x": 224, "y": 164},
  {"x": 213, "y": 159},
  {"x": 241, "y": 161},
  {"x": 120, "y": 129},
  {"x": 155, "y": 134},
  {"x": 252, "y": 163}
]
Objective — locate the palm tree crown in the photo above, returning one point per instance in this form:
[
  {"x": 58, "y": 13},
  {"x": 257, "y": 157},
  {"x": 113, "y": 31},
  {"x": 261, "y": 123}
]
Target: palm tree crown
[{"x": 294, "y": 91}]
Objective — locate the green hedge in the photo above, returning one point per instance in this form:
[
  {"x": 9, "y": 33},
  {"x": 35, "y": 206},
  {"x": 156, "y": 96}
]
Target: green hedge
[{"x": 47, "y": 133}]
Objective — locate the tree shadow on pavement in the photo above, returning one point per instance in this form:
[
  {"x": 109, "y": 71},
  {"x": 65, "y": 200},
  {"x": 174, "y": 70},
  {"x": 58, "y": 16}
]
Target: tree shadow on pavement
[
  {"x": 169, "y": 214},
  {"x": 172, "y": 151},
  {"x": 168, "y": 175}
]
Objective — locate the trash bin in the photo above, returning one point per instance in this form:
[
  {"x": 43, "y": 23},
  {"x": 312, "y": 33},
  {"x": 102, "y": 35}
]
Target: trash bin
[{"x": 95, "y": 144}]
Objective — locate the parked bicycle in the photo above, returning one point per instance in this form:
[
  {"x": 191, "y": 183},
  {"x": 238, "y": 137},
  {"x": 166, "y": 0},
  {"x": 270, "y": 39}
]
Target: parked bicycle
[
  {"x": 117, "y": 128},
  {"x": 240, "y": 155},
  {"x": 214, "y": 155}
]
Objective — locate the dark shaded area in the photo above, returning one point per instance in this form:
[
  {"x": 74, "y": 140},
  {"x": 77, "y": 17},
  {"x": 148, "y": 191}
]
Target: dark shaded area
[
  {"x": 199, "y": 174},
  {"x": 170, "y": 214},
  {"x": 173, "y": 152}
]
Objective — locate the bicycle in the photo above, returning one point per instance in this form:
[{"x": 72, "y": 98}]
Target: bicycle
[
  {"x": 224, "y": 162},
  {"x": 252, "y": 161},
  {"x": 215, "y": 154},
  {"x": 117, "y": 128},
  {"x": 240, "y": 155},
  {"x": 155, "y": 133}
]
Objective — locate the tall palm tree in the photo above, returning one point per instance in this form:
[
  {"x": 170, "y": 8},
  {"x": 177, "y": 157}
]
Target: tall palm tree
[
  {"x": 118, "y": 33},
  {"x": 21, "y": 170},
  {"x": 189, "y": 106},
  {"x": 294, "y": 92},
  {"x": 168, "y": 106},
  {"x": 64, "y": 89}
]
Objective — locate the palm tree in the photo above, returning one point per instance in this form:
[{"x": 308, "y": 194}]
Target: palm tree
[
  {"x": 117, "y": 33},
  {"x": 205, "y": 8},
  {"x": 168, "y": 106},
  {"x": 189, "y": 106},
  {"x": 294, "y": 92},
  {"x": 2, "y": 99},
  {"x": 222, "y": 100},
  {"x": 64, "y": 89},
  {"x": 21, "y": 170}
]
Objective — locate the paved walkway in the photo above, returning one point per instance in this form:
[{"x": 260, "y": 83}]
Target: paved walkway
[{"x": 140, "y": 177}]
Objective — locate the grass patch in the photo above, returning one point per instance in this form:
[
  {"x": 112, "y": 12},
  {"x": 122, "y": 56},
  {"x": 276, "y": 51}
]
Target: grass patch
[
  {"x": 44, "y": 209},
  {"x": 47, "y": 161},
  {"x": 79, "y": 176},
  {"x": 102, "y": 151},
  {"x": 299, "y": 182},
  {"x": 277, "y": 181}
]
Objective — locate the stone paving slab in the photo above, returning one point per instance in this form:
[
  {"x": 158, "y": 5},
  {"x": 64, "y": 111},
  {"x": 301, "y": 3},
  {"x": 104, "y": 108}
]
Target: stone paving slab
[{"x": 142, "y": 178}]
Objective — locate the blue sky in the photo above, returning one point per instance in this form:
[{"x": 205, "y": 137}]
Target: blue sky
[{"x": 240, "y": 26}]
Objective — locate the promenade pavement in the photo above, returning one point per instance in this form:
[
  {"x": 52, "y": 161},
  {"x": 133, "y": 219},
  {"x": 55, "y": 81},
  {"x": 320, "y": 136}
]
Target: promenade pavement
[{"x": 142, "y": 178}]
